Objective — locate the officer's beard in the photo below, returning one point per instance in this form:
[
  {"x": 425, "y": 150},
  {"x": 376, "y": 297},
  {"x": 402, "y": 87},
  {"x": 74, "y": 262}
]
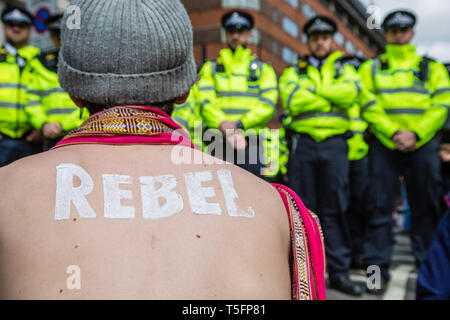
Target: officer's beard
[
  {"x": 17, "y": 45},
  {"x": 234, "y": 47}
]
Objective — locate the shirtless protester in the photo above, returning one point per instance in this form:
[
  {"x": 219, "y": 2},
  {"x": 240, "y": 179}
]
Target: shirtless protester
[{"x": 112, "y": 212}]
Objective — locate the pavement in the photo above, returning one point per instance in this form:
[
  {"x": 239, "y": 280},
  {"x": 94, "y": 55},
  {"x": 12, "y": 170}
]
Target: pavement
[{"x": 403, "y": 276}]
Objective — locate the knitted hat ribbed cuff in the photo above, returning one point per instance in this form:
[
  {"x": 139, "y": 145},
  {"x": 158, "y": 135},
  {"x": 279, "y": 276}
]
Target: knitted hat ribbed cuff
[{"x": 113, "y": 89}]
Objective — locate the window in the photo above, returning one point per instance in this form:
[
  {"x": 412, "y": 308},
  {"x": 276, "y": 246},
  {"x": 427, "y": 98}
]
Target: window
[
  {"x": 250, "y": 4},
  {"x": 275, "y": 47},
  {"x": 361, "y": 54},
  {"x": 275, "y": 15},
  {"x": 304, "y": 38},
  {"x": 290, "y": 27},
  {"x": 339, "y": 38},
  {"x": 289, "y": 55},
  {"x": 293, "y": 3},
  {"x": 350, "y": 47},
  {"x": 307, "y": 11}
]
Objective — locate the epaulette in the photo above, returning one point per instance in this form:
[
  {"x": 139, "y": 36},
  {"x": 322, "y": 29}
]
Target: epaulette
[
  {"x": 354, "y": 61},
  {"x": 3, "y": 54},
  {"x": 49, "y": 60},
  {"x": 302, "y": 65}
]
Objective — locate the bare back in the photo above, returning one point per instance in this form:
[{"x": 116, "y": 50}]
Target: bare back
[{"x": 124, "y": 222}]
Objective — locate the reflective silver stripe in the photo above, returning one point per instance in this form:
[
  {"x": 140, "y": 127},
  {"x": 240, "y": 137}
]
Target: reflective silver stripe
[
  {"x": 186, "y": 105},
  {"x": 358, "y": 88},
  {"x": 357, "y": 132},
  {"x": 439, "y": 91},
  {"x": 11, "y": 105},
  {"x": 239, "y": 75},
  {"x": 268, "y": 89},
  {"x": 43, "y": 93},
  {"x": 357, "y": 119},
  {"x": 235, "y": 111},
  {"x": 34, "y": 103},
  {"x": 367, "y": 106},
  {"x": 405, "y": 111},
  {"x": 310, "y": 115},
  {"x": 54, "y": 111},
  {"x": 12, "y": 86},
  {"x": 237, "y": 94},
  {"x": 404, "y": 90},
  {"x": 268, "y": 101},
  {"x": 181, "y": 122},
  {"x": 207, "y": 89},
  {"x": 291, "y": 96},
  {"x": 203, "y": 105}
]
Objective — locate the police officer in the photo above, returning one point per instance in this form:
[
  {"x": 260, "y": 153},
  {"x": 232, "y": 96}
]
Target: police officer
[
  {"x": 21, "y": 116},
  {"x": 62, "y": 115},
  {"x": 187, "y": 115},
  {"x": 415, "y": 94},
  {"x": 238, "y": 92},
  {"x": 317, "y": 94},
  {"x": 358, "y": 178}
]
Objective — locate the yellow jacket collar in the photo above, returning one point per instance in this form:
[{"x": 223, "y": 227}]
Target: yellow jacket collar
[
  {"x": 400, "y": 52},
  {"x": 239, "y": 55}
]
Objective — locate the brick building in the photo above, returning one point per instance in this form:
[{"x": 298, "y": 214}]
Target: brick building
[{"x": 278, "y": 37}]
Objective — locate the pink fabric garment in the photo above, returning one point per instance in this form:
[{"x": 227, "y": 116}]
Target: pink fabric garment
[
  {"x": 124, "y": 125},
  {"x": 316, "y": 246}
]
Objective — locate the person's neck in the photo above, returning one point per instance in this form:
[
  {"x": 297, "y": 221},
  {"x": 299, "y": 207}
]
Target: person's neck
[{"x": 17, "y": 45}]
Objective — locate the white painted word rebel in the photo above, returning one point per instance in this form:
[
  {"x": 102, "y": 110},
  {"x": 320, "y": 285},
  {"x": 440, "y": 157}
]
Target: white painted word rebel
[{"x": 67, "y": 194}]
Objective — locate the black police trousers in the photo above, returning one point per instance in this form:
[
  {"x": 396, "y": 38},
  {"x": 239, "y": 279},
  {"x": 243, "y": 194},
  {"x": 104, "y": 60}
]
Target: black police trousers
[
  {"x": 318, "y": 173},
  {"x": 249, "y": 159},
  {"x": 421, "y": 170},
  {"x": 357, "y": 215}
]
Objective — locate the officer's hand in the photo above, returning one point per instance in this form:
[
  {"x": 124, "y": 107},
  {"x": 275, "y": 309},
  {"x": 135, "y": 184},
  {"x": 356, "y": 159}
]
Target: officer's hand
[
  {"x": 444, "y": 153},
  {"x": 34, "y": 137},
  {"x": 51, "y": 130},
  {"x": 1, "y": 137},
  {"x": 405, "y": 141},
  {"x": 228, "y": 128}
]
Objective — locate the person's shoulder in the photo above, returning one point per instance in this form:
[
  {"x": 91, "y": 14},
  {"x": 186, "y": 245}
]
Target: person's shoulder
[{"x": 49, "y": 60}]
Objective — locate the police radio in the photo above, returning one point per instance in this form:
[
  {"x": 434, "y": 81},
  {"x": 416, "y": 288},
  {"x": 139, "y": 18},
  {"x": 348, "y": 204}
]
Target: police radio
[
  {"x": 2, "y": 55},
  {"x": 302, "y": 66}
]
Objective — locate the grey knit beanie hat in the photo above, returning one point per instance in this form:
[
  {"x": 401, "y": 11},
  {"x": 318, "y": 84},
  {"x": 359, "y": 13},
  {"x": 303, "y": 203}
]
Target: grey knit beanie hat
[{"x": 127, "y": 52}]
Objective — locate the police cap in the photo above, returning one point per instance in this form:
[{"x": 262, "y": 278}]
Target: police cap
[
  {"x": 319, "y": 24},
  {"x": 399, "y": 19},
  {"x": 17, "y": 16},
  {"x": 54, "y": 23},
  {"x": 237, "y": 19}
]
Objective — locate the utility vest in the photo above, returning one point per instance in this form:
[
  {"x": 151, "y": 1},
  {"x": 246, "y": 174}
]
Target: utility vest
[
  {"x": 187, "y": 115},
  {"x": 20, "y": 108},
  {"x": 413, "y": 90},
  {"x": 56, "y": 102},
  {"x": 318, "y": 100},
  {"x": 237, "y": 86}
]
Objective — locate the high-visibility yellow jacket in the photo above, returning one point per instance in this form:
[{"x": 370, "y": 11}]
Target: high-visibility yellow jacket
[
  {"x": 276, "y": 152},
  {"x": 318, "y": 100},
  {"x": 56, "y": 102},
  {"x": 357, "y": 146},
  {"x": 414, "y": 93},
  {"x": 20, "y": 107},
  {"x": 187, "y": 115},
  {"x": 237, "y": 86}
]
